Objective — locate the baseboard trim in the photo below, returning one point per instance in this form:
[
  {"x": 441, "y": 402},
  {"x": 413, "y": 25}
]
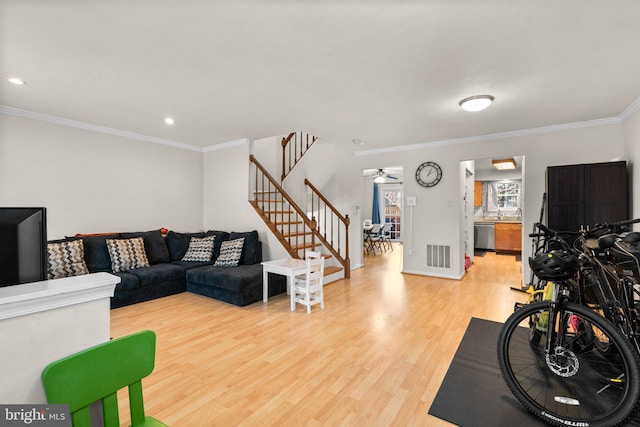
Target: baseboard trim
[{"x": 433, "y": 274}]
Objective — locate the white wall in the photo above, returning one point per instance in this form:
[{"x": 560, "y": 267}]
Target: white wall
[
  {"x": 268, "y": 151},
  {"x": 632, "y": 154},
  {"x": 94, "y": 182},
  {"x": 91, "y": 182},
  {"x": 437, "y": 214},
  {"x": 467, "y": 178},
  {"x": 226, "y": 197}
]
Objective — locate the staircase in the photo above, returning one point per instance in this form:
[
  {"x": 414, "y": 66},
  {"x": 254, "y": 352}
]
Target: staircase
[
  {"x": 294, "y": 146},
  {"x": 332, "y": 228},
  {"x": 296, "y": 229}
]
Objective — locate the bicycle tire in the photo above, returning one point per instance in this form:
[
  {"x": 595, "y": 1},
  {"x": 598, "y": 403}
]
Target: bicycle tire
[{"x": 577, "y": 385}]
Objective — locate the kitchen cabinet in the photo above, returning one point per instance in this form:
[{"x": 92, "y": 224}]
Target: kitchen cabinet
[
  {"x": 508, "y": 236},
  {"x": 584, "y": 195},
  {"x": 477, "y": 194}
]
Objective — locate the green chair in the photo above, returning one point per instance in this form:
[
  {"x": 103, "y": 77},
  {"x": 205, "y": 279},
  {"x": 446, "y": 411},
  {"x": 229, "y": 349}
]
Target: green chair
[{"x": 96, "y": 374}]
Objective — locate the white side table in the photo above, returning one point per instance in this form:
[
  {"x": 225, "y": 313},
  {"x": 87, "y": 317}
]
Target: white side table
[{"x": 290, "y": 267}]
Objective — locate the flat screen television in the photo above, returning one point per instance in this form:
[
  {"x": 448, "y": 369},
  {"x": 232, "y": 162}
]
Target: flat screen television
[{"x": 23, "y": 245}]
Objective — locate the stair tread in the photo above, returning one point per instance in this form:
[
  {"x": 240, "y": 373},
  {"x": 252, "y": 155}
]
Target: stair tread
[
  {"x": 305, "y": 245},
  {"x": 330, "y": 269},
  {"x": 297, "y": 234},
  {"x": 278, "y": 212}
]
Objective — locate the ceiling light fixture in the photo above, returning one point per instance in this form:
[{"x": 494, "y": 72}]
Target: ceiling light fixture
[
  {"x": 476, "y": 103},
  {"x": 169, "y": 121},
  {"x": 378, "y": 179},
  {"x": 357, "y": 141},
  {"x": 16, "y": 81},
  {"x": 504, "y": 164}
]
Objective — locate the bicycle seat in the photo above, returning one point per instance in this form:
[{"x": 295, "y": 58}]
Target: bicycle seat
[
  {"x": 631, "y": 238},
  {"x": 607, "y": 241}
]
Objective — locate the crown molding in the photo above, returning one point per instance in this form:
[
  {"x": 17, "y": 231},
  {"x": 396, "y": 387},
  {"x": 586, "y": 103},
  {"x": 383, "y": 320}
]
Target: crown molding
[
  {"x": 117, "y": 132},
  {"x": 631, "y": 109},
  {"x": 501, "y": 135},
  {"x": 96, "y": 128},
  {"x": 225, "y": 145}
]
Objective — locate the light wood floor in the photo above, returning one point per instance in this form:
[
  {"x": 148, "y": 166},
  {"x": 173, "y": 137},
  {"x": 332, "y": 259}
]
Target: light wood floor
[{"x": 375, "y": 356}]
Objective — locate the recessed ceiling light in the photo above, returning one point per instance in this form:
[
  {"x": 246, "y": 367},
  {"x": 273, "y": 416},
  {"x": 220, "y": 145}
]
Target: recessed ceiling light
[
  {"x": 476, "y": 103},
  {"x": 16, "y": 81},
  {"x": 169, "y": 121},
  {"x": 357, "y": 141},
  {"x": 504, "y": 164}
]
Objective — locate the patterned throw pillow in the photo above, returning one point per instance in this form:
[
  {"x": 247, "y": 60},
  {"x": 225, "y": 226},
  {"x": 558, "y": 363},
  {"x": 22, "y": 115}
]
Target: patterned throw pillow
[
  {"x": 127, "y": 254},
  {"x": 200, "y": 249},
  {"x": 230, "y": 253},
  {"x": 66, "y": 259}
]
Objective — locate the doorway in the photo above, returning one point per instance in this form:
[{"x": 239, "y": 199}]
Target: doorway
[
  {"x": 391, "y": 196},
  {"x": 383, "y": 197},
  {"x": 498, "y": 207}
]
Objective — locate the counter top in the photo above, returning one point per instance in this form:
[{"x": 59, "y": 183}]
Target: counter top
[
  {"x": 495, "y": 221},
  {"x": 19, "y": 300}
]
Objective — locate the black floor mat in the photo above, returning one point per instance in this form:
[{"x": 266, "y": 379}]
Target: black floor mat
[{"x": 473, "y": 392}]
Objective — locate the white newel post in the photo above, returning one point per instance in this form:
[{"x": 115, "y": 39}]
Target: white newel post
[{"x": 43, "y": 321}]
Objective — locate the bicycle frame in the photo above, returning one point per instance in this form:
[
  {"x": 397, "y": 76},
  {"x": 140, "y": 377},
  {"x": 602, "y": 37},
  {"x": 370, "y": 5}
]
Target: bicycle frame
[
  {"x": 615, "y": 292},
  {"x": 560, "y": 294}
]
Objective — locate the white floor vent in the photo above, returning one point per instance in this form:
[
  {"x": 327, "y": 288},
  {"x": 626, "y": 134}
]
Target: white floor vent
[{"x": 439, "y": 256}]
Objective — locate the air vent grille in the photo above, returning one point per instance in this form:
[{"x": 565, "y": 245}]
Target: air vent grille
[{"x": 439, "y": 256}]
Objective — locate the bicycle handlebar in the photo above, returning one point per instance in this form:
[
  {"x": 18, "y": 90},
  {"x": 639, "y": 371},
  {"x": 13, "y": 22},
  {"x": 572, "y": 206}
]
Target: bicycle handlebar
[
  {"x": 545, "y": 230},
  {"x": 614, "y": 227}
]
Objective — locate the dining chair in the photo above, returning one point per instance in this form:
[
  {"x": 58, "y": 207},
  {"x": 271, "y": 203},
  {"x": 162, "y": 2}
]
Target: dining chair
[
  {"x": 308, "y": 287},
  {"x": 374, "y": 239},
  {"x": 385, "y": 234},
  {"x": 96, "y": 374}
]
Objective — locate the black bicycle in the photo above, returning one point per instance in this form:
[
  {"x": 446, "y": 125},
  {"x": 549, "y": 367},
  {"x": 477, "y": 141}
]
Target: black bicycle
[{"x": 561, "y": 356}]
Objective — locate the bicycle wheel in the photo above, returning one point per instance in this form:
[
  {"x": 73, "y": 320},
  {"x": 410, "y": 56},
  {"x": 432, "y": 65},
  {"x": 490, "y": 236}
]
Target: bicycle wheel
[{"x": 576, "y": 385}]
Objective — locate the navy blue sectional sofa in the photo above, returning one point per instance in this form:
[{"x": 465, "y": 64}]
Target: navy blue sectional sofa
[{"x": 168, "y": 274}]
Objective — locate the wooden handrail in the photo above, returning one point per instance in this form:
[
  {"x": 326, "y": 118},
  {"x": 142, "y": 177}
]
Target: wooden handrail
[
  {"x": 280, "y": 190},
  {"x": 294, "y": 155},
  {"x": 327, "y": 234},
  {"x": 299, "y": 213},
  {"x": 344, "y": 219},
  {"x": 293, "y": 216},
  {"x": 286, "y": 140}
]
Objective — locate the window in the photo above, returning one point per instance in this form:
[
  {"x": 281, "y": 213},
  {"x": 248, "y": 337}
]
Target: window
[
  {"x": 508, "y": 194},
  {"x": 391, "y": 201}
]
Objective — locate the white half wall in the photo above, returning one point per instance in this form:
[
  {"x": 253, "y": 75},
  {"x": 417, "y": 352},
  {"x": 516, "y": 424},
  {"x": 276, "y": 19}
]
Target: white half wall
[{"x": 93, "y": 182}]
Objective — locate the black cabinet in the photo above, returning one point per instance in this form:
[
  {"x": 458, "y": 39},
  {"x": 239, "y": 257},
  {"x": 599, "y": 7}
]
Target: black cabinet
[{"x": 584, "y": 195}]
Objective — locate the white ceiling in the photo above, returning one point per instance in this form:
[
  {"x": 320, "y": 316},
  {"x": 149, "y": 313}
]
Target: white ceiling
[{"x": 387, "y": 72}]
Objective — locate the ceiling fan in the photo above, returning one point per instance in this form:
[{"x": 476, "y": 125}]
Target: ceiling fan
[{"x": 379, "y": 176}]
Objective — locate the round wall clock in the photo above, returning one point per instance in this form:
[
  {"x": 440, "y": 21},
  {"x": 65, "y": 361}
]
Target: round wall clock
[{"x": 428, "y": 174}]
